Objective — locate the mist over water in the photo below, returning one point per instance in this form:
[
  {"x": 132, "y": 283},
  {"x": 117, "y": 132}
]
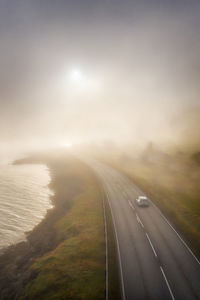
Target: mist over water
[{"x": 24, "y": 200}]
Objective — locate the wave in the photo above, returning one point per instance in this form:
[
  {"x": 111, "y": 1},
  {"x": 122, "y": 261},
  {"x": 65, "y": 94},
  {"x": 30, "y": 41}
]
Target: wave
[{"x": 24, "y": 200}]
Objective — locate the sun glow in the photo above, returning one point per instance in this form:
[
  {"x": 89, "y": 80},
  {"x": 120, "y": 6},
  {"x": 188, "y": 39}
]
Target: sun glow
[
  {"x": 78, "y": 82},
  {"x": 76, "y": 75}
]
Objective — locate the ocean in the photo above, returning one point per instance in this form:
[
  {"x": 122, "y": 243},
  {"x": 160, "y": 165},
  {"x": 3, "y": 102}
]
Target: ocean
[{"x": 24, "y": 200}]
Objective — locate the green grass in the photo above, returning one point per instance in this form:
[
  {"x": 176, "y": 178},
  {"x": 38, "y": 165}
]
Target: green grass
[
  {"x": 75, "y": 269},
  {"x": 64, "y": 256}
]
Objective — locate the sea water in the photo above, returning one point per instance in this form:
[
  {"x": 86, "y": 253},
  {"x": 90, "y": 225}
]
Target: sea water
[{"x": 24, "y": 200}]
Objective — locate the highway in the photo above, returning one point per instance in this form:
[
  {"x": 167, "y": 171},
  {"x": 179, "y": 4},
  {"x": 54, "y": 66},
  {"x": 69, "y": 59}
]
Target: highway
[{"x": 154, "y": 261}]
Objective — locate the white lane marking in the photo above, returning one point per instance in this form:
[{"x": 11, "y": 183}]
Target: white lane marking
[
  {"x": 106, "y": 241},
  {"x": 167, "y": 283},
  {"x": 184, "y": 243},
  {"x": 139, "y": 220},
  {"x": 154, "y": 251},
  {"x": 118, "y": 249},
  {"x": 131, "y": 205}
]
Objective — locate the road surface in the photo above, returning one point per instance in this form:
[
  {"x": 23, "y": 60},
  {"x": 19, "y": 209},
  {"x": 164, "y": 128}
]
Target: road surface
[{"x": 154, "y": 261}]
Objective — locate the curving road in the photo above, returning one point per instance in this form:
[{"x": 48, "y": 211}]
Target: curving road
[{"x": 154, "y": 261}]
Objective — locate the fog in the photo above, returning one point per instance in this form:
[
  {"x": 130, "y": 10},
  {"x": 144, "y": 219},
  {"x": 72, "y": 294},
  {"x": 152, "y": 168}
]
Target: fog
[{"x": 92, "y": 71}]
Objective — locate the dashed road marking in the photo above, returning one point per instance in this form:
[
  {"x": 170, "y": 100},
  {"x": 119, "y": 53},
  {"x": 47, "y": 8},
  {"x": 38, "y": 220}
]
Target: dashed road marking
[
  {"x": 154, "y": 251},
  {"x": 139, "y": 221},
  {"x": 167, "y": 283},
  {"x": 131, "y": 205}
]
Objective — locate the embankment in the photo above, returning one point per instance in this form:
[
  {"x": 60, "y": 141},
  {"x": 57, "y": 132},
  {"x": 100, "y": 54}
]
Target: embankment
[{"x": 64, "y": 256}]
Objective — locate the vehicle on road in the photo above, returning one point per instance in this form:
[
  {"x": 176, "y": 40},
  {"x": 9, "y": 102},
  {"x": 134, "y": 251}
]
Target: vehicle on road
[{"x": 142, "y": 201}]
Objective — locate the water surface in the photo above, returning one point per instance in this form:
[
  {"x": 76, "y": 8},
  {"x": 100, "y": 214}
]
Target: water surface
[{"x": 24, "y": 200}]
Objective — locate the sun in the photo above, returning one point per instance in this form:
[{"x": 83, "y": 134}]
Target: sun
[
  {"x": 73, "y": 78},
  {"x": 76, "y": 75},
  {"x": 76, "y": 81}
]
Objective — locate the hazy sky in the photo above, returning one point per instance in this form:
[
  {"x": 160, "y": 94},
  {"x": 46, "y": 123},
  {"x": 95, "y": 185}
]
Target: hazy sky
[{"x": 96, "y": 69}]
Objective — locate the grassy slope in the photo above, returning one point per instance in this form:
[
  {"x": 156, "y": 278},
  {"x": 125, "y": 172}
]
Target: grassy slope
[
  {"x": 64, "y": 257},
  {"x": 174, "y": 186},
  {"x": 75, "y": 269}
]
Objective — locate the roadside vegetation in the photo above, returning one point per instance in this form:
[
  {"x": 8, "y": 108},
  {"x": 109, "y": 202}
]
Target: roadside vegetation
[
  {"x": 64, "y": 257},
  {"x": 171, "y": 181}
]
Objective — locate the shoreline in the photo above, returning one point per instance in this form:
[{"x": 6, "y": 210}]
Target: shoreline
[
  {"x": 42, "y": 238},
  {"x": 50, "y": 196}
]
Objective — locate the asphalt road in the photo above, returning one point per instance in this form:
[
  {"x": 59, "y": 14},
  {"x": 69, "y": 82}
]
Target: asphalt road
[{"x": 154, "y": 261}]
